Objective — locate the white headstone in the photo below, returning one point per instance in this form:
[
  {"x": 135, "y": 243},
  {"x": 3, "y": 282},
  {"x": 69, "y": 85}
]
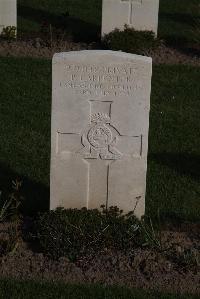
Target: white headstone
[
  {"x": 8, "y": 13},
  {"x": 139, "y": 14},
  {"x": 99, "y": 135}
]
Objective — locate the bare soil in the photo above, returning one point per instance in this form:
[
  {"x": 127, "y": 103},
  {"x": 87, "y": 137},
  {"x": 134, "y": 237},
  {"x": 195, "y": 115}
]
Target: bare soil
[
  {"x": 37, "y": 47},
  {"x": 176, "y": 268}
]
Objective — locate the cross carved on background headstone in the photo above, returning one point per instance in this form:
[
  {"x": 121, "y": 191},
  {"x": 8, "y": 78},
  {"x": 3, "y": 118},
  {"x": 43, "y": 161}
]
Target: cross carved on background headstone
[{"x": 131, "y": 4}]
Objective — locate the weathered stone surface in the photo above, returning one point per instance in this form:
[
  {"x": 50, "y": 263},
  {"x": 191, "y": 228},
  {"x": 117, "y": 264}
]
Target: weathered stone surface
[
  {"x": 139, "y": 14},
  {"x": 100, "y": 120},
  {"x": 8, "y": 13}
]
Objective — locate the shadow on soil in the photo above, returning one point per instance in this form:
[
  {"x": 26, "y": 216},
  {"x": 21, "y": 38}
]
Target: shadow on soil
[
  {"x": 79, "y": 30},
  {"x": 36, "y": 195}
]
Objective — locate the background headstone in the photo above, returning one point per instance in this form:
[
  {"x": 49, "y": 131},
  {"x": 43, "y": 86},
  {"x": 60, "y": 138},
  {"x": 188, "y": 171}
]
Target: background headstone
[
  {"x": 139, "y": 14},
  {"x": 8, "y": 13},
  {"x": 100, "y": 120}
]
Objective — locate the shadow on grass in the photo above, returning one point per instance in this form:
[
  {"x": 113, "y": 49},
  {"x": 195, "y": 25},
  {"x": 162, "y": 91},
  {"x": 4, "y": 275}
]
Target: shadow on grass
[
  {"x": 36, "y": 195},
  {"x": 78, "y": 29},
  {"x": 184, "y": 18},
  {"x": 188, "y": 43},
  {"x": 184, "y": 164}
]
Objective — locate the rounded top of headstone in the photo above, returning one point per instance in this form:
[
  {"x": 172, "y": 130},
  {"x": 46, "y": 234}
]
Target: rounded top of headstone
[{"x": 101, "y": 53}]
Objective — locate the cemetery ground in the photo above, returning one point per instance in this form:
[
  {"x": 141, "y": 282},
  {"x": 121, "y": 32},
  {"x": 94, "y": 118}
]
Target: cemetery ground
[
  {"x": 46, "y": 27},
  {"x": 178, "y": 20},
  {"x": 28, "y": 289},
  {"x": 172, "y": 182},
  {"x": 170, "y": 261}
]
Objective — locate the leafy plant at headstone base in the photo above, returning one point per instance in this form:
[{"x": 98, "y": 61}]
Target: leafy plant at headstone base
[
  {"x": 185, "y": 258},
  {"x": 73, "y": 232},
  {"x": 10, "y": 236},
  {"x": 10, "y": 208},
  {"x": 191, "y": 257},
  {"x": 130, "y": 40},
  {"x": 53, "y": 36},
  {"x": 150, "y": 236},
  {"x": 46, "y": 30},
  {"x": 9, "y": 32},
  {"x": 10, "y": 231}
]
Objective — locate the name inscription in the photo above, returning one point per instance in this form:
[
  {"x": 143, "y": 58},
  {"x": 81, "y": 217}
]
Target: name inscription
[{"x": 102, "y": 81}]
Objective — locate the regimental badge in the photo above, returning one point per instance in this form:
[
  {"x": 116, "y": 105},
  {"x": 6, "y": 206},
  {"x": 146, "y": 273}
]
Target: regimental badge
[{"x": 100, "y": 139}]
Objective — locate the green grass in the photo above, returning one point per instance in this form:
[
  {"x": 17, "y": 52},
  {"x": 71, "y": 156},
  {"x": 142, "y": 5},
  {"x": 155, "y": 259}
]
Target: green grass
[
  {"x": 178, "y": 19},
  {"x": 25, "y": 108},
  {"x": 31, "y": 290},
  {"x": 174, "y": 143},
  {"x": 83, "y": 23}
]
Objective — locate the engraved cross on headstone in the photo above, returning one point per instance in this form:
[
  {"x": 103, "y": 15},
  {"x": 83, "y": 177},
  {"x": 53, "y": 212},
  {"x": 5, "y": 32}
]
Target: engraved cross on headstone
[
  {"x": 99, "y": 145},
  {"x": 131, "y": 4}
]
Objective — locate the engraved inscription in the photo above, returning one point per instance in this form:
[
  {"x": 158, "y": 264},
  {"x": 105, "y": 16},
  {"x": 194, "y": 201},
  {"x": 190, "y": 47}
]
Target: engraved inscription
[{"x": 91, "y": 80}]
